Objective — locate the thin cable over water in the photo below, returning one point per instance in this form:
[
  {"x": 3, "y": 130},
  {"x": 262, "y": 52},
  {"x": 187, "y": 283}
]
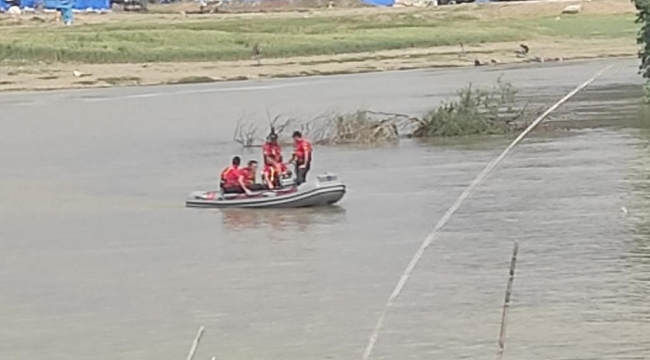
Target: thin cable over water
[{"x": 443, "y": 221}]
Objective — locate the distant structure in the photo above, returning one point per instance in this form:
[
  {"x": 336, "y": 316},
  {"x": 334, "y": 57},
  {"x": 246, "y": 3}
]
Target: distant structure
[
  {"x": 51, "y": 5},
  {"x": 401, "y": 3}
]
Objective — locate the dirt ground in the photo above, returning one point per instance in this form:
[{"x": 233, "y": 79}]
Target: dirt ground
[{"x": 60, "y": 76}]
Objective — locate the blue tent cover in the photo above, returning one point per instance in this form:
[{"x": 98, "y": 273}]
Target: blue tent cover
[
  {"x": 57, "y": 4},
  {"x": 379, "y": 2}
]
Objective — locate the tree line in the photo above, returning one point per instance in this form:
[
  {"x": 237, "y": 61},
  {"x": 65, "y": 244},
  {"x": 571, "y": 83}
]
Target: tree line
[{"x": 643, "y": 38}]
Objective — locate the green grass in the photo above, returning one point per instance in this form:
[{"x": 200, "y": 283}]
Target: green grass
[
  {"x": 583, "y": 27},
  {"x": 213, "y": 39}
]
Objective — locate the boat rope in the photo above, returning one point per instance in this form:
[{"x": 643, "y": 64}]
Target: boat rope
[{"x": 436, "y": 230}]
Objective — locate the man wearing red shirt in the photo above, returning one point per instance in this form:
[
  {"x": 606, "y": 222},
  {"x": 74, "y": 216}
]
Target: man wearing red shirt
[
  {"x": 271, "y": 150},
  {"x": 302, "y": 155},
  {"x": 230, "y": 177},
  {"x": 248, "y": 175}
]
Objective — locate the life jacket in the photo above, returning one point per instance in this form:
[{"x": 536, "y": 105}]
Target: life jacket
[
  {"x": 302, "y": 148},
  {"x": 249, "y": 176},
  {"x": 230, "y": 176},
  {"x": 273, "y": 151}
]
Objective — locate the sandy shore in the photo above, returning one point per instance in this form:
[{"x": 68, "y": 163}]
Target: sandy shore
[{"x": 62, "y": 76}]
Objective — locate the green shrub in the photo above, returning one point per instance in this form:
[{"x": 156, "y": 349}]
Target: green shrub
[
  {"x": 476, "y": 111},
  {"x": 643, "y": 38}
]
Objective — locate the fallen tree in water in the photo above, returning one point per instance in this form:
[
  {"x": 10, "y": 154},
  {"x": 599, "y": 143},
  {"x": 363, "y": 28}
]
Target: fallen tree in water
[
  {"x": 360, "y": 127},
  {"x": 475, "y": 111}
]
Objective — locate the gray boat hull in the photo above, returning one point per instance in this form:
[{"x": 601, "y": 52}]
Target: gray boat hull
[{"x": 323, "y": 191}]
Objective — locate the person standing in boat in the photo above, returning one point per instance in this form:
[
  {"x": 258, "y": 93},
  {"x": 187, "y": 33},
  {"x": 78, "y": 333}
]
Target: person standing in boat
[
  {"x": 272, "y": 154},
  {"x": 302, "y": 155},
  {"x": 271, "y": 150}
]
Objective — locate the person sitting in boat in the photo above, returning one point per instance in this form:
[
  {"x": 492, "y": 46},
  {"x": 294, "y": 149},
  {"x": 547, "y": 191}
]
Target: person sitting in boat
[
  {"x": 272, "y": 177},
  {"x": 302, "y": 156},
  {"x": 230, "y": 177},
  {"x": 248, "y": 176}
]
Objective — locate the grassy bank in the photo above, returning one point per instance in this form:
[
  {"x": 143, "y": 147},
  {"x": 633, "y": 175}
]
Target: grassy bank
[{"x": 127, "y": 38}]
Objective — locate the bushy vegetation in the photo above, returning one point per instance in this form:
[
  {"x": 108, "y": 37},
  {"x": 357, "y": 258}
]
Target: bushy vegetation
[
  {"x": 643, "y": 38},
  {"x": 475, "y": 111}
]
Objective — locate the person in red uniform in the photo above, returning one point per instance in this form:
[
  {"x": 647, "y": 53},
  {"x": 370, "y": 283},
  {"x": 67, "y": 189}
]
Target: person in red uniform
[
  {"x": 230, "y": 177},
  {"x": 271, "y": 176},
  {"x": 271, "y": 150},
  {"x": 248, "y": 176},
  {"x": 302, "y": 156}
]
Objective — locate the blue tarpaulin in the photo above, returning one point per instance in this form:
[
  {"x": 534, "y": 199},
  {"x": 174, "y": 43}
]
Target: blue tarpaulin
[
  {"x": 379, "y": 2},
  {"x": 81, "y": 5}
]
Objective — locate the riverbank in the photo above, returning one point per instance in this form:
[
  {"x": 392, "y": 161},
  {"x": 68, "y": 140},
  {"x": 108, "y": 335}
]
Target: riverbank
[{"x": 145, "y": 49}]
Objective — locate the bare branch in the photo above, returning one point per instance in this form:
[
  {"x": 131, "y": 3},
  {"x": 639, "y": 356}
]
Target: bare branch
[{"x": 246, "y": 134}]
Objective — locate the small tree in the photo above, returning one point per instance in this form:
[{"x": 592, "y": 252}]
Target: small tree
[{"x": 643, "y": 38}]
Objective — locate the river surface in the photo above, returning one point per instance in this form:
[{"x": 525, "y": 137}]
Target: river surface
[{"x": 99, "y": 258}]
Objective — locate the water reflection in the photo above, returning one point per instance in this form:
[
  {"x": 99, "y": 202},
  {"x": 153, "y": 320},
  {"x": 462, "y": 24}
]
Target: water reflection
[
  {"x": 613, "y": 106},
  {"x": 280, "y": 219},
  {"x": 638, "y": 255}
]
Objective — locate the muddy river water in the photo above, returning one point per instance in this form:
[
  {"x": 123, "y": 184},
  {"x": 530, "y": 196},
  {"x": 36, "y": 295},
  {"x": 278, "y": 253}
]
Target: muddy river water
[{"x": 99, "y": 258}]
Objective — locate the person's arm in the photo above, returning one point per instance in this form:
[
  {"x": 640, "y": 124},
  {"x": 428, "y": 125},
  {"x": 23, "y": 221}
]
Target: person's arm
[
  {"x": 242, "y": 183},
  {"x": 222, "y": 178},
  {"x": 278, "y": 154}
]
